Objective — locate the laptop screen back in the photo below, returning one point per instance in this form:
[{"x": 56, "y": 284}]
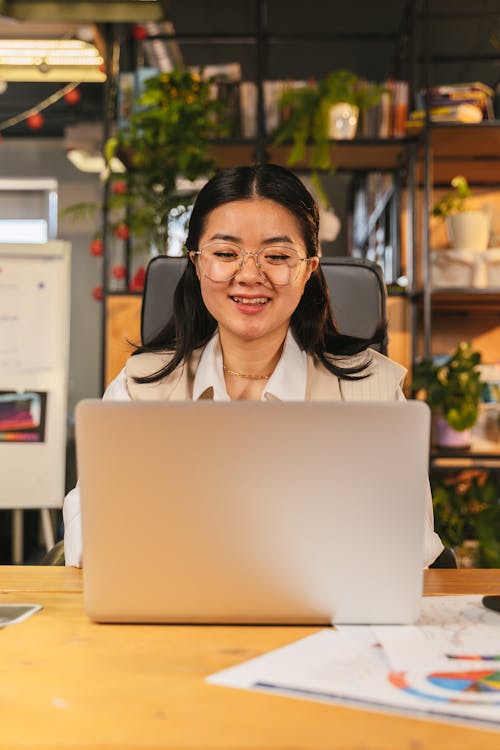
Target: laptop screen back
[{"x": 252, "y": 512}]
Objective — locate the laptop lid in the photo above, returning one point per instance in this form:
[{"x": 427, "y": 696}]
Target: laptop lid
[{"x": 274, "y": 512}]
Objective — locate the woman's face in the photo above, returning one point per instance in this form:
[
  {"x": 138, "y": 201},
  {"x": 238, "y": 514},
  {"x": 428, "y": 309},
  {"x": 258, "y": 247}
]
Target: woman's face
[{"x": 250, "y": 306}]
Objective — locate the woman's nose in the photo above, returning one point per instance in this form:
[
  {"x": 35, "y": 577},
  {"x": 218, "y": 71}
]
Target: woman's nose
[{"x": 249, "y": 268}]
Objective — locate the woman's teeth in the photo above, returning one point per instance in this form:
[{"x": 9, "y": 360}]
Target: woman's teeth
[{"x": 253, "y": 301}]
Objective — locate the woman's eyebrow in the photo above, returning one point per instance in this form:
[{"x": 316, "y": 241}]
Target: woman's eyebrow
[
  {"x": 237, "y": 240},
  {"x": 278, "y": 238},
  {"x": 225, "y": 237}
]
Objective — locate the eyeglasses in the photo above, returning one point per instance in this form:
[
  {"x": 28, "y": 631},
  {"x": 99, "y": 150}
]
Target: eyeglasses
[{"x": 221, "y": 261}]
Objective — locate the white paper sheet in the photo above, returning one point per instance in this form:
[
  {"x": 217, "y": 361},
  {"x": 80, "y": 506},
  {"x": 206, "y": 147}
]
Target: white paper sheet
[
  {"x": 351, "y": 665},
  {"x": 29, "y": 307}
]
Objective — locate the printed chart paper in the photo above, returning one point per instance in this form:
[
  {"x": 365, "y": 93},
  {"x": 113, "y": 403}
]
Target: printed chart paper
[{"x": 457, "y": 677}]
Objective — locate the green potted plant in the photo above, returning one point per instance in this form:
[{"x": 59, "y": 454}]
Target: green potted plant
[
  {"x": 468, "y": 228},
  {"x": 453, "y": 390},
  {"x": 166, "y": 138},
  {"x": 467, "y": 515},
  {"x": 311, "y": 115}
]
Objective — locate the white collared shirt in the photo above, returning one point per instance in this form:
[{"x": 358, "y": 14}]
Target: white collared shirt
[{"x": 287, "y": 383}]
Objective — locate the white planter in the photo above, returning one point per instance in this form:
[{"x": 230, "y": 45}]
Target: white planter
[
  {"x": 469, "y": 230},
  {"x": 492, "y": 263},
  {"x": 343, "y": 121}
]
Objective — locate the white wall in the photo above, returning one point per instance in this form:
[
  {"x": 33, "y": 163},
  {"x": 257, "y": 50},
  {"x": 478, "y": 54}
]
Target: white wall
[{"x": 37, "y": 157}]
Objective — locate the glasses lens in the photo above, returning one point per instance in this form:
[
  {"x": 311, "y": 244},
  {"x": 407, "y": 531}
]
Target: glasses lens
[
  {"x": 280, "y": 264},
  {"x": 220, "y": 261}
]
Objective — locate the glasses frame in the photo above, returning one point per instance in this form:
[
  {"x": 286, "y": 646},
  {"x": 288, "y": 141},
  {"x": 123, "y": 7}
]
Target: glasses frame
[{"x": 245, "y": 255}]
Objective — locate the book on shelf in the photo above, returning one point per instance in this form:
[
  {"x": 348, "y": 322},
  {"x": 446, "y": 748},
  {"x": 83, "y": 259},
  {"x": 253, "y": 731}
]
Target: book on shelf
[
  {"x": 467, "y": 113},
  {"x": 457, "y": 102},
  {"x": 387, "y": 118}
]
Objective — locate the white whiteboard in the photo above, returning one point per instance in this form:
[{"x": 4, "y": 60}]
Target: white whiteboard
[{"x": 34, "y": 356}]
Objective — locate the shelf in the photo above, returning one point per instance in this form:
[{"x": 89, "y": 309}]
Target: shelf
[
  {"x": 481, "y": 454},
  {"x": 446, "y": 461},
  {"x": 464, "y": 300},
  {"x": 359, "y": 154},
  {"x": 457, "y": 148}
]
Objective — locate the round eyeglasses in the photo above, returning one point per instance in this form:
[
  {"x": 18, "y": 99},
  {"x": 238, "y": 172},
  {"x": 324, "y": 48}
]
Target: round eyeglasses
[{"x": 221, "y": 261}]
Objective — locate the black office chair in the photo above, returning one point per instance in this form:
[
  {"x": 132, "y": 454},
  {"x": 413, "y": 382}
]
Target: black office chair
[
  {"x": 446, "y": 559},
  {"x": 357, "y": 293}
]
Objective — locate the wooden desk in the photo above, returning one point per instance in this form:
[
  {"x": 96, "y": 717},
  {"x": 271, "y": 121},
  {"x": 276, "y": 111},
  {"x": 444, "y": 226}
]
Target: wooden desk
[{"x": 69, "y": 683}]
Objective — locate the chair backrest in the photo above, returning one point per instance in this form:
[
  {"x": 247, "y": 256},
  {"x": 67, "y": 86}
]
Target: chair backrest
[{"x": 356, "y": 286}]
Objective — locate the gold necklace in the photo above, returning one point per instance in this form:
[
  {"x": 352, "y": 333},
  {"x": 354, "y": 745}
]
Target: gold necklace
[{"x": 245, "y": 374}]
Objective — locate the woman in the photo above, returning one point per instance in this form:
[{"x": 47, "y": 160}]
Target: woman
[{"x": 252, "y": 319}]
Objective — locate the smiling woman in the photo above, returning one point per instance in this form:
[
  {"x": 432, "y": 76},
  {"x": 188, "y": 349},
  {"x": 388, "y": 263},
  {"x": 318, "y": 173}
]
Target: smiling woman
[
  {"x": 251, "y": 294},
  {"x": 252, "y": 316}
]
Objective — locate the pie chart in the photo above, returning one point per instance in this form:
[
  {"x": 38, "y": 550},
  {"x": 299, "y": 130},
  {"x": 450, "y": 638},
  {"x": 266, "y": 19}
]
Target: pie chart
[{"x": 471, "y": 687}]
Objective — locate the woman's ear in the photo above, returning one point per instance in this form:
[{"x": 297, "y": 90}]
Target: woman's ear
[
  {"x": 192, "y": 258},
  {"x": 312, "y": 266}
]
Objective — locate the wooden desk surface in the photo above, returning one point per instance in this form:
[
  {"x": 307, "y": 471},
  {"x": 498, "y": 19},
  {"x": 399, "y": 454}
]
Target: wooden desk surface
[{"x": 69, "y": 683}]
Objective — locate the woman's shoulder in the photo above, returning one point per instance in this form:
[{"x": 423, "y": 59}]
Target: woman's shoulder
[
  {"x": 374, "y": 362},
  {"x": 386, "y": 365},
  {"x": 147, "y": 363},
  {"x": 382, "y": 377},
  {"x": 177, "y": 385}
]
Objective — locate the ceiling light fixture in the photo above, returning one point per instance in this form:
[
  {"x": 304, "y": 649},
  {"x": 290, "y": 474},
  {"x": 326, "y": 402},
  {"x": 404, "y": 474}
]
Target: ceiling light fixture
[{"x": 41, "y": 60}]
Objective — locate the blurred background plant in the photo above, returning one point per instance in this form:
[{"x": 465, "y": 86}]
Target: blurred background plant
[
  {"x": 164, "y": 149},
  {"x": 454, "y": 200},
  {"x": 453, "y": 389},
  {"x": 467, "y": 511}
]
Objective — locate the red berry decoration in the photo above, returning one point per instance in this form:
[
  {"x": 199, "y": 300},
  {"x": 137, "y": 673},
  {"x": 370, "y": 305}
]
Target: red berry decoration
[
  {"x": 137, "y": 283},
  {"x": 119, "y": 187},
  {"x": 72, "y": 97},
  {"x": 122, "y": 232},
  {"x": 119, "y": 272},
  {"x": 139, "y": 33},
  {"x": 35, "y": 122},
  {"x": 97, "y": 293},
  {"x": 96, "y": 248}
]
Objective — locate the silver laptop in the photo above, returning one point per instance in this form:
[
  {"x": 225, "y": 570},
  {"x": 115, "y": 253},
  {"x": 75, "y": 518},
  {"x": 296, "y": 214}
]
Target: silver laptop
[{"x": 246, "y": 512}]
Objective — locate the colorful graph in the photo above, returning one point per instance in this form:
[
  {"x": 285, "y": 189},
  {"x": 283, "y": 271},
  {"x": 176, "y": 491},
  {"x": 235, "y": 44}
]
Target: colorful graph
[{"x": 472, "y": 687}]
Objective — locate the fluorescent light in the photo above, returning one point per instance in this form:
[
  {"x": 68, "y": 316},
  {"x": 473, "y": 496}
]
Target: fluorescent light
[{"x": 50, "y": 60}]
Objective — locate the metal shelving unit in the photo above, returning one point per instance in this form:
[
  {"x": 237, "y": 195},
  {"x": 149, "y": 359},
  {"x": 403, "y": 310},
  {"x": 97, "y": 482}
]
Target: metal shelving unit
[
  {"x": 446, "y": 150},
  {"x": 362, "y": 155}
]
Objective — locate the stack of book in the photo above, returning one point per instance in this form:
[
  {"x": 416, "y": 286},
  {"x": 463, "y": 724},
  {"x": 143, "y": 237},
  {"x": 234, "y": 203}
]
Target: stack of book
[
  {"x": 386, "y": 119},
  {"x": 457, "y": 102}
]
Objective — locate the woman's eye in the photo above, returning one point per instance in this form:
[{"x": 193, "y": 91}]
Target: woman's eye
[
  {"x": 225, "y": 255},
  {"x": 277, "y": 257}
]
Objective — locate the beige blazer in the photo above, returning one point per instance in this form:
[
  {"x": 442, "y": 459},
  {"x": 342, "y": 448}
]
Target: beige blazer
[{"x": 384, "y": 379}]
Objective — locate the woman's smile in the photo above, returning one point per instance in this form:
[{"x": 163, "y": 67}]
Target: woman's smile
[{"x": 249, "y": 304}]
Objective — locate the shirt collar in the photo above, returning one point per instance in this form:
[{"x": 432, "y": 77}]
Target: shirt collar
[{"x": 287, "y": 383}]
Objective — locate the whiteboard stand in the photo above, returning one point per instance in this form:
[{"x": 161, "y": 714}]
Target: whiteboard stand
[
  {"x": 18, "y": 529},
  {"x": 34, "y": 358}
]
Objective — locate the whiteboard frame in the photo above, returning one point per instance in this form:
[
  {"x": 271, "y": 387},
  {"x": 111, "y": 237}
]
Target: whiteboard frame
[{"x": 32, "y": 475}]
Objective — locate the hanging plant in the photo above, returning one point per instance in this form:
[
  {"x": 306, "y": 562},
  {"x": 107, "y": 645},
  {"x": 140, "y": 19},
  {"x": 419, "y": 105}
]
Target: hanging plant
[
  {"x": 306, "y": 112},
  {"x": 166, "y": 138}
]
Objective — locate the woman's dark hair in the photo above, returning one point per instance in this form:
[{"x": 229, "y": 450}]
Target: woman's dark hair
[{"x": 191, "y": 325}]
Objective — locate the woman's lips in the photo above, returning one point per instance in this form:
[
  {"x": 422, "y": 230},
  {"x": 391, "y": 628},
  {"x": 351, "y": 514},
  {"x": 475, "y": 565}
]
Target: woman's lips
[{"x": 249, "y": 305}]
